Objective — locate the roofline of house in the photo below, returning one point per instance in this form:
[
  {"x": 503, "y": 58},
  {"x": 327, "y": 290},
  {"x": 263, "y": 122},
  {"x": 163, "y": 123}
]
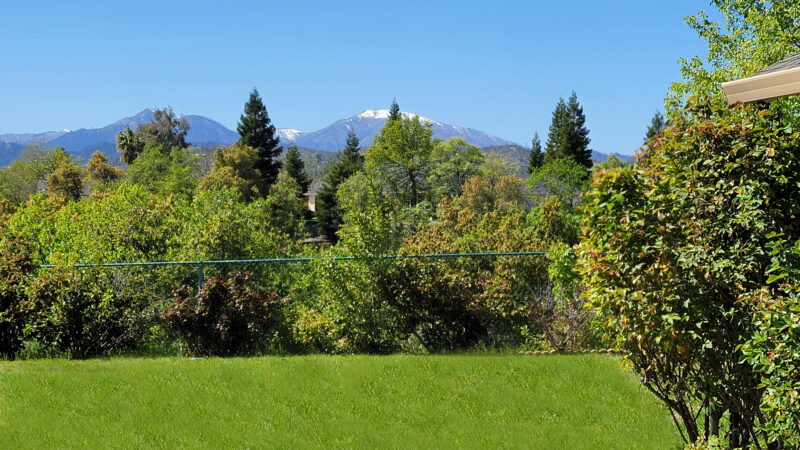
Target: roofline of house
[{"x": 764, "y": 87}]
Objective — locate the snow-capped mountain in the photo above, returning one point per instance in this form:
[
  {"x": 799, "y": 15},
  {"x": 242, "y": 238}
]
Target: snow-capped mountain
[
  {"x": 205, "y": 132},
  {"x": 27, "y": 138},
  {"x": 367, "y": 124}
]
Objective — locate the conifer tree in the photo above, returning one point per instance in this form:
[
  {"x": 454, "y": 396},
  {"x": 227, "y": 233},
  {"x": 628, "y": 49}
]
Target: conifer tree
[
  {"x": 657, "y": 123},
  {"x": 256, "y": 130},
  {"x": 536, "y": 158},
  {"x": 350, "y": 161},
  {"x": 568, "y": 136},
  {"x": 394, "y": 111},
  {"x": 296, "y": 168}
]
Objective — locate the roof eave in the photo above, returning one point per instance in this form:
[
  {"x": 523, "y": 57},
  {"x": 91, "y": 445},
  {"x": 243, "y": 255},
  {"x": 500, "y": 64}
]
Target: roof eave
[{"x": 763, "y": 88}]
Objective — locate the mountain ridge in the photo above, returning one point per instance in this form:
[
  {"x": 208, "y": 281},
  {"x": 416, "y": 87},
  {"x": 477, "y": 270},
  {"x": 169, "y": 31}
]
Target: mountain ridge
[{"x": 208, "y": 133}]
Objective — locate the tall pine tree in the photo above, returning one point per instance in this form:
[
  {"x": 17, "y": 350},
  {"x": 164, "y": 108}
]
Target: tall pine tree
[
  {"x": 536, "y": 158},
  {"x": 394, "y": 111},
  {"x": 657, "y": 123},
  {"x": 296, "y": 168},
  {"x": 257, "y": 131},
  {"x": 568, "y": 136},
  {"x": 350, "y": 161}
]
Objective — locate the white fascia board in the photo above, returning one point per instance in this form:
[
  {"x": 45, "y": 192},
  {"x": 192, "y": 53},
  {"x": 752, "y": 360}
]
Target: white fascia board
[{"x": 766, "y": 87}]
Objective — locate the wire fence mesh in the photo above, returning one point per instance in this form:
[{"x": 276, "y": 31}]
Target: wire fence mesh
[{"x": 367, "y": 303}]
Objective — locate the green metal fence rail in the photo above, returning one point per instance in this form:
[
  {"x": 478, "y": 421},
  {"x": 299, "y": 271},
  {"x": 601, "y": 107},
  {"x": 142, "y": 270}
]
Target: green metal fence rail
[{"x": 201, "y": 264}]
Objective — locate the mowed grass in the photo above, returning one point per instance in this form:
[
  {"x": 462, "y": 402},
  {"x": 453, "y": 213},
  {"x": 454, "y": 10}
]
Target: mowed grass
[{"x": 461, "y": 401}]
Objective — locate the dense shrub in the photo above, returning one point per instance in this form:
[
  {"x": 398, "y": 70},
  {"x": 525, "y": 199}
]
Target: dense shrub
[
  {"x": 679, "y": 259},
  {"x": 77, "y": 314},
  {"x": 458, "y": 303},
  {"x": 15, "y": 268},
  {"x": 345, "y": 304},
  {"x": 226, "y": 317}
]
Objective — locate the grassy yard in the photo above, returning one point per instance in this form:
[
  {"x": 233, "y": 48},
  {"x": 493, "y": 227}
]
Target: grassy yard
[{"x": 473, "y": 401}]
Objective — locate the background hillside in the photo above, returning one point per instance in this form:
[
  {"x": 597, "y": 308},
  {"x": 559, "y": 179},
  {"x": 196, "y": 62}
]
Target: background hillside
[{"x": 318, "y": 148}]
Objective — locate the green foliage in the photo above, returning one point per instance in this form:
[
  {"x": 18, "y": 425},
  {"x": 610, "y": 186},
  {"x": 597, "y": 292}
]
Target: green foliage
[
  {"x": 79, "y": 314},
  {"x": 394, "y": 111},
  {"x": 226, "y": 318},
  {"x": 555, "y": 221},
  {"x": 16, "y": 266},
  {"x": 486, "y": 194},
  {"x": 66, "y": 181},
  {"x": 536, "y": 156},
  {"x": 217, "y": 224},
  {"x": 676, "y": 257},
  {"x": 452, "y": 304},
  {"x": 129, "y": 144},
  {"x": 753, "y": 34},
  {"x": 349, "y": 161},
  {"x": 657, "y": 124},
  {"x": 296, "y": 168},
  {"x": 611, "y": 163},
  {"x": 355, "y": 195},
  {"x": 256, "y": 130},
  {"x": 348, "y": 310},
  {"x": 453, "y": 162},
  {"x": 568, "y": 136},
  {"x": 165, "y": 130},
  {"x": 286, "y": 206},
  {"x": 399, "y": 159},
  {"x": 563, "y": 177},
  {"x": 560, "y": 312},
  {"x": 166, "y": 171},
  {"x": 234, "y": 168},
  {"x": 28, "y": 174},
  {"x": 100, "y": 175}
]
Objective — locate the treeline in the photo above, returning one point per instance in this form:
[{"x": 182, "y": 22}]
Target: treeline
[{"x": 405, "y": 193}]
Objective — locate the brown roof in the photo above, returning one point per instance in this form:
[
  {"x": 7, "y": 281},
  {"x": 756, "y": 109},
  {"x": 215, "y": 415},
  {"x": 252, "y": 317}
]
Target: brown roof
[{"x": 791, "y": 62}]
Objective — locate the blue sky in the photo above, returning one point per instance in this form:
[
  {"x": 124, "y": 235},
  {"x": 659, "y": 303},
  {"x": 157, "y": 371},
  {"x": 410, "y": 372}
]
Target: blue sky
[{"x": 496, "y": 66}]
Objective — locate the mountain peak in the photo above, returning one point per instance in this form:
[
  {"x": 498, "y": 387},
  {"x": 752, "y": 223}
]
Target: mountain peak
[
  {"x": 374, "y": 114},
  {"x": 383, "y": 114}
]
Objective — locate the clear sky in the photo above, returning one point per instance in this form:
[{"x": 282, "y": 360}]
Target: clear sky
[{"x": 498, "y": 66}]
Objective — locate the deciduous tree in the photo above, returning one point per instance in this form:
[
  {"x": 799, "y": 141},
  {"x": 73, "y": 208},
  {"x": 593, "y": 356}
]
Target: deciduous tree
[
  {"x": 234, "y": 167},
  {"x": 399, "y": 159}
]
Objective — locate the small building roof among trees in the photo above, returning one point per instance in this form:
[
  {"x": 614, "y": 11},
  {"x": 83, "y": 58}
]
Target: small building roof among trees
[{"x": 778, "y": 80}]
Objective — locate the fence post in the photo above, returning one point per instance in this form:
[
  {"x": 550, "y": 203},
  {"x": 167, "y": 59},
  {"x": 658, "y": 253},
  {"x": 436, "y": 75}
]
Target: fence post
[{"x": 199, "y": 276}]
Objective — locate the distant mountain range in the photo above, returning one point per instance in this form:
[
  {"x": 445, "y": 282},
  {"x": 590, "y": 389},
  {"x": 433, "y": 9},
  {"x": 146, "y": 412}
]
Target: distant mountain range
[
  {"x": 367, "y": 124},
  {"x": 205, "y": 132}
]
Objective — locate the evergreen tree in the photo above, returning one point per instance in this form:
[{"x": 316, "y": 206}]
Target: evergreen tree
[
  {"x": 394, "y": 111},
  {"x": 657, "y": 123},
  {"x": 296, "y": 168},
  {"x": 536, "y": 158},
  {"x": 568, "y": 136},
  {"x": 256, "y": 130},
  {"x": 350, "y": 161}
]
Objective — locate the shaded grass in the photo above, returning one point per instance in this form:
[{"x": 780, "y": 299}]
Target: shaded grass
[{"x": 582, "y": 401}]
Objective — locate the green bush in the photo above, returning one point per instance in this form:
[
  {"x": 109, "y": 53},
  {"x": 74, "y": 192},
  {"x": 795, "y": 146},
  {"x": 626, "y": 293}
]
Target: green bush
[
  {"x": 679, "y": 259},
  {"x": 16, "y": 267},
  {"x": 226, "y": 318},
  {"x": 77, "y": 314}
]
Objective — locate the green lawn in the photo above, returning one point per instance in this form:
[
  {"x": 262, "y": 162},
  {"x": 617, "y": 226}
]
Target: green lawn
[{"x": 474, "y": 401}]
